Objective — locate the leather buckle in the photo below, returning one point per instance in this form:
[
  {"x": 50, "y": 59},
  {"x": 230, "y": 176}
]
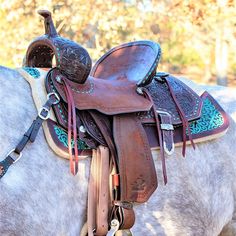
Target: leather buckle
[
  {"x": 44, "y": 109},
  {"x": 16, "y": 159}
]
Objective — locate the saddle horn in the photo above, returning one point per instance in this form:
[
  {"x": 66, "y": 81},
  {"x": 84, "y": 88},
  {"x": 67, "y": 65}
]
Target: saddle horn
[
  {"x": 71, "y": 58},
  {"x": 50, "y": 29}
]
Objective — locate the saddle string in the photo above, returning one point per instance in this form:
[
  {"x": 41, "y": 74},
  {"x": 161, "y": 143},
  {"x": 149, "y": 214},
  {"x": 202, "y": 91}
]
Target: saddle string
[
  {"x": 183, "y": 119},
  {"x": 72, "y": 129},
  {"x": 159, "y": 133}
]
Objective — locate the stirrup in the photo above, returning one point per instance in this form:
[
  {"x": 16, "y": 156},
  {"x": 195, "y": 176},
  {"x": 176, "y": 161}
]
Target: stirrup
[{"x": 115, "y": 224}]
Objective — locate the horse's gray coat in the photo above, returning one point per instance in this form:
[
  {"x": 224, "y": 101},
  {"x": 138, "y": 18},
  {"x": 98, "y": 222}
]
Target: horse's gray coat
[{"x": 38, "y": 195}]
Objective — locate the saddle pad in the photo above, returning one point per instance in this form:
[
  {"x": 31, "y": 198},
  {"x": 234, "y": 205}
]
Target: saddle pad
[
  {"x": 56, "y": 136},
  {"x": 213, "y": 123},
  {"x": 136, "y": 61},
  {"x": 106, "y": 96}
]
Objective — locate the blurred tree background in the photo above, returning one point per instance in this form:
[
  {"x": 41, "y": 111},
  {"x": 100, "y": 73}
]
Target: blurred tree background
[{"x": 197, "y": 37}]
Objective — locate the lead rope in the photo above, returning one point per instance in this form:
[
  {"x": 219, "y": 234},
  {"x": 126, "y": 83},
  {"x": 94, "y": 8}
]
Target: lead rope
[
  {"x": 72, "y": 129},
  {"x": 15, "y": 154}
]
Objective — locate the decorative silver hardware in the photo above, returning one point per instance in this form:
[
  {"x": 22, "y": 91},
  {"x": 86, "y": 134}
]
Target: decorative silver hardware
[
  {"x": 56, "y": 96},
  {"x": 82, "y": 129},
  {"x": 115, "y": 224},
  {"x": 58, "y": 79},
  {"x": 167, "y": 151},
  {"x": 139, "y": 91},
  {"x": 18, "y": 155},
  {"x": 44, "y": 109},
  {"x": 167, "y": 127}
]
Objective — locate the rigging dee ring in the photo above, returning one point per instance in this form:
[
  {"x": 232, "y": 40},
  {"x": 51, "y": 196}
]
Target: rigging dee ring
[{"x": 56, "y": 96}]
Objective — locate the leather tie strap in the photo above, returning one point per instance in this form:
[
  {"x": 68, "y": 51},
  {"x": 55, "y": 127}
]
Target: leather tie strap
[
  {"x": 72, "y": 129},
  {"x": 159, "y": 134},
  {"x": 183, "y": 118}
]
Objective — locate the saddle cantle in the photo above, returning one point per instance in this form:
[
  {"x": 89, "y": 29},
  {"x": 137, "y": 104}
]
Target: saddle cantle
[
  {"x": 135, "y": 61},
  {"x": 120, "y": 110}
]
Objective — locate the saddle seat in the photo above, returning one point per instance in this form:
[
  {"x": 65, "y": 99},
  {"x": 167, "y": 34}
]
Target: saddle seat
[{"x": 137, "y": 62}]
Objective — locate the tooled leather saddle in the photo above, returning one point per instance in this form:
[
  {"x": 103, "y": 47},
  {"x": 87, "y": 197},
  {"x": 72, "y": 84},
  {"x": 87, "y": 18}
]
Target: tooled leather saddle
[{"x": 125, "y": 106}]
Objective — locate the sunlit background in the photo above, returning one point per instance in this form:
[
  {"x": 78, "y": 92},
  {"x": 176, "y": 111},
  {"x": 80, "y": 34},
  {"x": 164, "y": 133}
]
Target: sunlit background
[{"x": 197, "y": 37}]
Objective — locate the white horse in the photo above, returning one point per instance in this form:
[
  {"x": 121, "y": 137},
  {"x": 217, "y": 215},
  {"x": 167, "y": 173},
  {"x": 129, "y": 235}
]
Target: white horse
[{"x": 38, "y": 195}]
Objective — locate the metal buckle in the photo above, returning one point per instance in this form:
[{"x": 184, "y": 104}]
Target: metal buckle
[
  {"x": 167, "y": 127},
  {"x": 41, "y": 116},
  {"x": 163, "y": 112},
  {"x": 82, "y": 129},
  {"x": 139, "y": 90},
  {"x": 18, "y": 158},
  {"x": 56, "y": 96}
]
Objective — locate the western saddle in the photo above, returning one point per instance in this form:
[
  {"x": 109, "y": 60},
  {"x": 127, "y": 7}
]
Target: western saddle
[{"x": 121, "y": 109}]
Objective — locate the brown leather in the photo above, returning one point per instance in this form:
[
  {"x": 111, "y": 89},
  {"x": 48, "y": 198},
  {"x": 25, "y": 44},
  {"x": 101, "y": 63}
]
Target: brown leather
[
  {"x": 138, "y": 178},
  {"x": 71, "y": 58},
  {"x": 167, "y": 129},
  {"x": 203, "y": 134},
  {"x": 108, "y": 97},
  {"x": 111, "y": 111},
  {"x": 129, "y": 112},
  {"x": 134, "y": 61},
  {"x": 189, "y": 101},
  {"x": 72, "y": 129},
  {"x": 183, "y": 115},
  {"x": 128, "y": 218}
]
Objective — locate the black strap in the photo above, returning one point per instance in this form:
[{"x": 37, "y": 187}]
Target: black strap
[{"x": 30, "y": 134}]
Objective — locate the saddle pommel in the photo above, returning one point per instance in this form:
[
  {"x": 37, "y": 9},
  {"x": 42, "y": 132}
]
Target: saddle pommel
[{"x": 50, "y": 29}]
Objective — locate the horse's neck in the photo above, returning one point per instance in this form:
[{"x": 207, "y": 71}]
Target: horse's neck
[{"x": 40, "y": 174}]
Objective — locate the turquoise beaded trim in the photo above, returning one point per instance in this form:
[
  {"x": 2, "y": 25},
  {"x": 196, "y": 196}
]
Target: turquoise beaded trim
[
  {"x": 62, "y": 137},
  {"x": 210, "y": 119},
  {"x": 32, "y": 71}
]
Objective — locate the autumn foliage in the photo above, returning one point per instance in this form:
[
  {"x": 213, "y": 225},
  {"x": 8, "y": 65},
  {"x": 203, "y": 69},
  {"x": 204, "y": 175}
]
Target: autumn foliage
[{"x": 197, "y": 37}]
